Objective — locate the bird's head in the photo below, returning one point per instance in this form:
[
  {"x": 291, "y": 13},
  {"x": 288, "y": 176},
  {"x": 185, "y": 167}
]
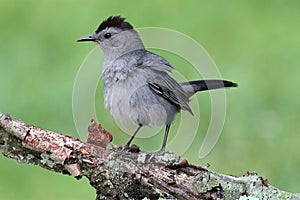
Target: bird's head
[{"x": 115, "y": 36}]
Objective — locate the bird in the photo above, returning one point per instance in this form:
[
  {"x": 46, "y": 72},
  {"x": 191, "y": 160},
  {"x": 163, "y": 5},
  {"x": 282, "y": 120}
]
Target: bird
[{"x": 137, "y": 83}]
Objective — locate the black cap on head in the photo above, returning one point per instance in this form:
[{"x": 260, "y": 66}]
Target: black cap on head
[{"x": 114, "y": 21}]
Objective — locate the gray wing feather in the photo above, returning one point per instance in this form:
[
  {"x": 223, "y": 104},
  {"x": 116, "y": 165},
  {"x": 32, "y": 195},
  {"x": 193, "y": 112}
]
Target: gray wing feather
[
  {"x": 161, "y": 83},
  {"x": 155, "y": 62}
]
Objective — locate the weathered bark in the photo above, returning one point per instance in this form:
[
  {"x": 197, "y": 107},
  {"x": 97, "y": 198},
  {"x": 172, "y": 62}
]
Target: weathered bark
[{"x": 117, "y": 174}]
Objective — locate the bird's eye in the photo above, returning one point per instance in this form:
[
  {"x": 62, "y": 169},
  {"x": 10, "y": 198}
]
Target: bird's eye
[{"x": 107, "y": 35}]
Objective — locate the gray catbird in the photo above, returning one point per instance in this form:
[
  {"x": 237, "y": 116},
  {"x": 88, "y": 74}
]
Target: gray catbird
[{"x": 137, "y": 86}]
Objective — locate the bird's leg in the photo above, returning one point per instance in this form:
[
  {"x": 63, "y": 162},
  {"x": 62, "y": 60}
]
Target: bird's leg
[
  {"x": 163, "y": 147},
  {"x": 126, "y": 146}
]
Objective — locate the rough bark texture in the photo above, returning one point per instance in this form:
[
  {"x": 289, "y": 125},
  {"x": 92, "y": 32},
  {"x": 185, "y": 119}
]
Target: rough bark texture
[{"x": 117, "y": 174}]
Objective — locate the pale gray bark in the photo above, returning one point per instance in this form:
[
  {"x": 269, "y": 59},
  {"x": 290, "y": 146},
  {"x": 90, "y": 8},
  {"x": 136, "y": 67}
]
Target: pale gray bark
[{"x": 123, "y": 175}]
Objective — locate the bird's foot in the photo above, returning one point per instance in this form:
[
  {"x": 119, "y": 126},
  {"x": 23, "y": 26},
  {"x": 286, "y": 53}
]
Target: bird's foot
[
  {"x": 125, "y": 148},
  {"x": 133, "y": 148}
]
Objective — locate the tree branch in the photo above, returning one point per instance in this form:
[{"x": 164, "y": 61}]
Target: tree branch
[{"x": 117, "y": 174}]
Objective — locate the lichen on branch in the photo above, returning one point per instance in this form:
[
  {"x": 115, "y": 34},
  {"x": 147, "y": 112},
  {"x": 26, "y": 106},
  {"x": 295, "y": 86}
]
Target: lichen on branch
[{"x": 117, "y": 174}]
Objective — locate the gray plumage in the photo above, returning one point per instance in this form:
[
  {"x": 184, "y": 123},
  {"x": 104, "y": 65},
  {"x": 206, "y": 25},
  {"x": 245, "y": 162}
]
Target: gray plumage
[
  {"x": 128, "y": 95},
  {"x": 137, "y": 86}
]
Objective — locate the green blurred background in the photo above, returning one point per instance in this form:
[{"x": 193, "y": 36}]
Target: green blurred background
[{"x": 255, "y": 43}]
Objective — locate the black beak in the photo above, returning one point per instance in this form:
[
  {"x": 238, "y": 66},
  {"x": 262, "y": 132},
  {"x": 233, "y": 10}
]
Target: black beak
[{"x": 86, "y": 38}]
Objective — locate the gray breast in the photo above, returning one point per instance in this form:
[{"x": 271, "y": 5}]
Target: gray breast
[{"x": 128, "y": 95}]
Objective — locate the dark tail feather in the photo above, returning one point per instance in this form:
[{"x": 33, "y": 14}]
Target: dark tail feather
[{"x": 195, "y": 86}]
